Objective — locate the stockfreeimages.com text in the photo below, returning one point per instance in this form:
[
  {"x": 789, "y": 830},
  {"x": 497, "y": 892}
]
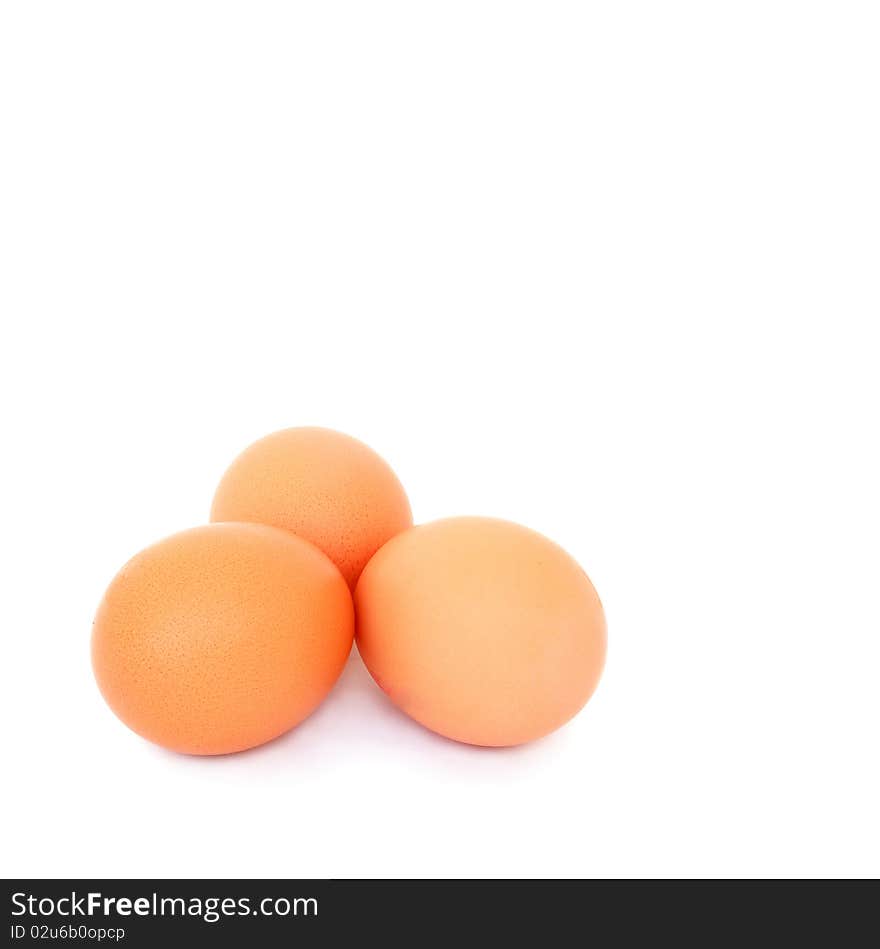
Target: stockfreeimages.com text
[{"x": 210, "y": 909}]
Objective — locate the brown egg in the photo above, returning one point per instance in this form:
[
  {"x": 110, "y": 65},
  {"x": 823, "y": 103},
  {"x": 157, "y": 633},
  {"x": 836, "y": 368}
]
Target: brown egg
[
  {"x": 322, "y": 485},
  {"x": 221, "y": 637},
  {"x": 482, "y": 630}
]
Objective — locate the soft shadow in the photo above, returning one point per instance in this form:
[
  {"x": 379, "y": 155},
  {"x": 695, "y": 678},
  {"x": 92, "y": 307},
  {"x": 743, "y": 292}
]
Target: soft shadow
[{"x": 357, "y": 713}]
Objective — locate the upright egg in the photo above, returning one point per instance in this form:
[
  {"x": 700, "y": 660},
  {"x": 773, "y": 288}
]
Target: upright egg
[
  {"x": 480, "y": 629},
  {"x": 221, "y": 637},
  {"x": 322, "y": 485}
]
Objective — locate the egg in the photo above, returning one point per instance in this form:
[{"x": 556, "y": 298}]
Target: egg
[
  {"x": 323, "y": 486},
  {"x": 482, "y": 630},
  {"x": 221, "y": 637}
]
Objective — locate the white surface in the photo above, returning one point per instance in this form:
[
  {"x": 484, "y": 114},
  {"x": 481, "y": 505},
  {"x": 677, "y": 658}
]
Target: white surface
[{"x": 607, "y": 269}]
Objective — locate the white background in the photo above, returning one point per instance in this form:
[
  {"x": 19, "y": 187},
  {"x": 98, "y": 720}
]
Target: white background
[{"x": 606, "y": 269}]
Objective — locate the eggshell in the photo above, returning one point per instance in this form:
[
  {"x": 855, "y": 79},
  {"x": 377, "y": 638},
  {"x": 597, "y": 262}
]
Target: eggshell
[
  {"x": 221, "y": 637},
  {"x": 482, "y": 630},
  {"x": 322, "y": 485}
]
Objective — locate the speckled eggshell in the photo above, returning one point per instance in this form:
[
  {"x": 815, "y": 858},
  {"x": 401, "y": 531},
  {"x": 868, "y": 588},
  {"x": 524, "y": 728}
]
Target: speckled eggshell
[
  {"x": 221, "y": 637},
  {"x": 322, "y": 485},
  {"x": 482, "y": 630}
]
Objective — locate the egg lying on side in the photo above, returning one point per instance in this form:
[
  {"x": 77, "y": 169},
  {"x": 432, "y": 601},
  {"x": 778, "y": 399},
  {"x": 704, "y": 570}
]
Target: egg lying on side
[
  {"x": 321, "y": 485},
  {"x": 482, "y": 630},
  {"x": 221, "y": 637}
]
